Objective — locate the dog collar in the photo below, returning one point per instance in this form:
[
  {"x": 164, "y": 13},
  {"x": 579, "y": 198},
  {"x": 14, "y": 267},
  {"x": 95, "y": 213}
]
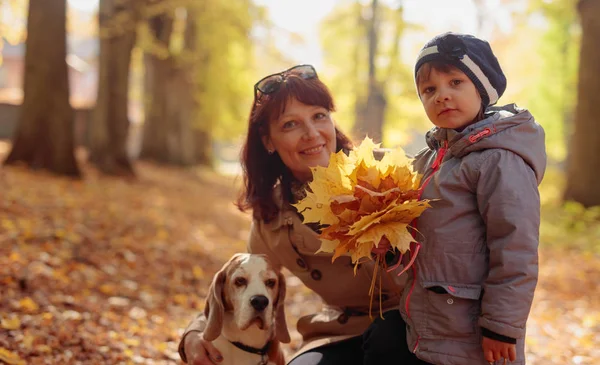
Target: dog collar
[
  {"x": 264, "y": 360},
  {"x": 252, "y": 350}
]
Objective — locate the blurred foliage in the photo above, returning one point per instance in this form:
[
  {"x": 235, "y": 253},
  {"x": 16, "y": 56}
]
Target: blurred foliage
[
  {"x": 13, "y": 23},
  {"x": 223, "y": 71},
  {"x": 539, "y": 56},
  {"x": 235, "y": 47},
  {"x": 553, "y": 91},
  {"x": 221, "y": 58},
  {"x": 568, "y": 225},
  {"x": 13, "y": 14},
  {"x": 345, "y": 46}
]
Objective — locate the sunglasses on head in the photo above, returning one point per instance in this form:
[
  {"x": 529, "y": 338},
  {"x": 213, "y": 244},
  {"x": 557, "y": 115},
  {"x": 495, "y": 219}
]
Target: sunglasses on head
[{"x": 270, "y": 84}]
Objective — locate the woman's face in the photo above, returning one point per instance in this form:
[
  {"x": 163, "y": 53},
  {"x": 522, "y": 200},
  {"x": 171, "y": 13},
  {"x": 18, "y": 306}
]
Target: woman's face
[{"x": 303, "y": 136}]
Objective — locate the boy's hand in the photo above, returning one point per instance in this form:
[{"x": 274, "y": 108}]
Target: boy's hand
[{"x": 494, "y": 350}]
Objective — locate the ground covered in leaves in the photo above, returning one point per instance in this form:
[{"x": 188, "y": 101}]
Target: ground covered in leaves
[{"x": 110, "y": 271}]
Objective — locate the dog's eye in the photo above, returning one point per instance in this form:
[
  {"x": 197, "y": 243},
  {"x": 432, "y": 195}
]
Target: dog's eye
[
  {"x": 270, "y": 283},
  {"x": 240, "y": 282}
]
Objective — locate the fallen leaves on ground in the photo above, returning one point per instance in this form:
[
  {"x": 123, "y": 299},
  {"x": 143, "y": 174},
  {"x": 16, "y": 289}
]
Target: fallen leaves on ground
[{"x": 108, "y": 271}]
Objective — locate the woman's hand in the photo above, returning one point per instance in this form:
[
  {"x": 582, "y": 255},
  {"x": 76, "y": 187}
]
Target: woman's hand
[
  {"x": 200, "y": 352},
  {"x": 495, "y": 350}
]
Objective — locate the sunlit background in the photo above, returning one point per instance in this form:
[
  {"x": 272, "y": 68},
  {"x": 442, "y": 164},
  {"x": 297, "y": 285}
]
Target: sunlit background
[
  {"x": 159, "y": 189},
  {"x": 535, "y": 40}
]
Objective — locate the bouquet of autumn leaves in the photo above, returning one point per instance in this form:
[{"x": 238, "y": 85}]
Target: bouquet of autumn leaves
[{"x": 364, "y": 202}]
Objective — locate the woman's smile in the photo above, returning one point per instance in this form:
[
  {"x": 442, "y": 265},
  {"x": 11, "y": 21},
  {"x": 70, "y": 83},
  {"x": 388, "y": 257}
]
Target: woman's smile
[
  {"x": 303, "y": 137},
  {"x": 313, "y": 150}
]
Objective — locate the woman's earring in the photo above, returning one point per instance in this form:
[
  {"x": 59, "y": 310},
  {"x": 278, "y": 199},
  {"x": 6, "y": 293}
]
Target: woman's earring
[{"x": 271, "y": 151}]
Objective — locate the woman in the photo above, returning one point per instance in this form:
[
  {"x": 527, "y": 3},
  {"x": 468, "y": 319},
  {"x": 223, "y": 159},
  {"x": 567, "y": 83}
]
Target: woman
[{"x": 290, "y": 130}]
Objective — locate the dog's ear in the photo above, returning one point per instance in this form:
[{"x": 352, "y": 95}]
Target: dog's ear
[
  {"x": 281, "y": 330},
  {"x": 214, "y": 309}
]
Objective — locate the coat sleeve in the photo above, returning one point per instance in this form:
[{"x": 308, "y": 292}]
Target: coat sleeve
[
  {"x": 256, "y": 244},
  {"x": 509, "y": 202}
]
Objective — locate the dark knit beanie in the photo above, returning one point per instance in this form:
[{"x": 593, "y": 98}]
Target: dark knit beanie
[{"x": 472, "y": 56}]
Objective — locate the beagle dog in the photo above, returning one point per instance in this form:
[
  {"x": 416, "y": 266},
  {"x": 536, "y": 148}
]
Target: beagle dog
[{"x": 245, "y": 312}]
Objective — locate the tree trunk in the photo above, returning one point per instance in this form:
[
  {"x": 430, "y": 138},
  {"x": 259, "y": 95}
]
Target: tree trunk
[
  {"x": 181, "y": 113},
  {"x": 203, "y": 147},
  {"x": 584, "y": 155},
  {"x": 110, "y": 126},
  {"x": 45, "y": 136},
  {"x": 372, "y": 112},
  {"x": 395, "y": 52},
  {"x": 182, "y": 106},
  {"x": 170, "y": 133},
  {"x": 155, "y": 142}
]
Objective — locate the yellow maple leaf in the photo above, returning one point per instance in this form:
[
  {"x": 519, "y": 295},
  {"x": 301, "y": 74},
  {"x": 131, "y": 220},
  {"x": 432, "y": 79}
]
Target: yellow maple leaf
[
  {"x": 396, "y": 233},
  {"x": 108, "y": 289},
  {"x": 316, "y": 208},
  {"x": 198, "y": 272},
  {"x": 393, "y": 159},
  {"x": 10, "y": 357},
  {"x": 364, "y": 222},
  {"x": 180, "y": 299},
  {"x": 405, "y": 178},
  {"x": 28, "y": 305},
  {"x": 369, "y": 174},
  {"x": 362, "y": 200},
  {"x": 135, "y": 342},
  {"x": 327, "y": 182},
  {"x": 333, "y": 179},
  {"x": 361, "y": 251},
  {"x": 44, "y": 349},
  {"x": 405, "y": 212},
  {"x": 10, "y": 323},
  {"x": 328, "y": 246},
  {"x": 343, "y": 248},
  {"x": 363, "y": 153}
]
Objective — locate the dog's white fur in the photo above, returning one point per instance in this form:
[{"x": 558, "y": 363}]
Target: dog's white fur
[{"x": 231, "y": 317}]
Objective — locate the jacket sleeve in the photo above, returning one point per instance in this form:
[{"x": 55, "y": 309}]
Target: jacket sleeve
[
  {"x": 256, "y": 244},
  {"x": 509, "y": 203}
]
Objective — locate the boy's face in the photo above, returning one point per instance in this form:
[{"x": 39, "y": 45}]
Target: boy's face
[{"x": 450, "y": 99}]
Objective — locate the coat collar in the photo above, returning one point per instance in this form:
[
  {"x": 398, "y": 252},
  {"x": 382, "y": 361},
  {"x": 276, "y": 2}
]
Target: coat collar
[{"x": 286, "y": 210}]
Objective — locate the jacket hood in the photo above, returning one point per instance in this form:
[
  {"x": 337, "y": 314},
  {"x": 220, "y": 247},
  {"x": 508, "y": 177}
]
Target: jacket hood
[{"x": 508, "y": 127}]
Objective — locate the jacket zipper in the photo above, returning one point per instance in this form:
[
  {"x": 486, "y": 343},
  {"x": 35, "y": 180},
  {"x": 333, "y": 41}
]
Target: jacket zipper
[{"x": 434, "y": 168}]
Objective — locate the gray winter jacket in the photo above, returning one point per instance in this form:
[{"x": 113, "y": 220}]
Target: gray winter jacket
[{"x": 478, "y": 264}]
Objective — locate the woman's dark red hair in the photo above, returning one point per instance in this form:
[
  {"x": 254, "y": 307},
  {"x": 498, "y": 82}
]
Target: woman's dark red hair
[{"x": 262, "y": 170}]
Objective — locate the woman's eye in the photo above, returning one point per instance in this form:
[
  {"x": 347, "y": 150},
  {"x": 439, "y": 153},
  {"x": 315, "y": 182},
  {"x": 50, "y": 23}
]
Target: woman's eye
[
  {"x": 270, "y": 283},
  {"x": 290, "y": 124},
  {"x": 456, "y": 82},
  {"x": 320, "y": 116},
  {"x": 240, "y": 282}
]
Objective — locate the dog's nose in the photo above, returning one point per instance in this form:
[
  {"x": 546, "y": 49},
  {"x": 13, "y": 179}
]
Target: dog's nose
[{"x": 259, "y": 302}]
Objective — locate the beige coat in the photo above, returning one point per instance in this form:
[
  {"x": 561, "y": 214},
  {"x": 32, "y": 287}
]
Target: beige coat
[{"x": 291, "y": 244}]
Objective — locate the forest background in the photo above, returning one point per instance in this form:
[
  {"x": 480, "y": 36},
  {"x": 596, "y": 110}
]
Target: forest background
[{"x": 120, "y": 128}]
